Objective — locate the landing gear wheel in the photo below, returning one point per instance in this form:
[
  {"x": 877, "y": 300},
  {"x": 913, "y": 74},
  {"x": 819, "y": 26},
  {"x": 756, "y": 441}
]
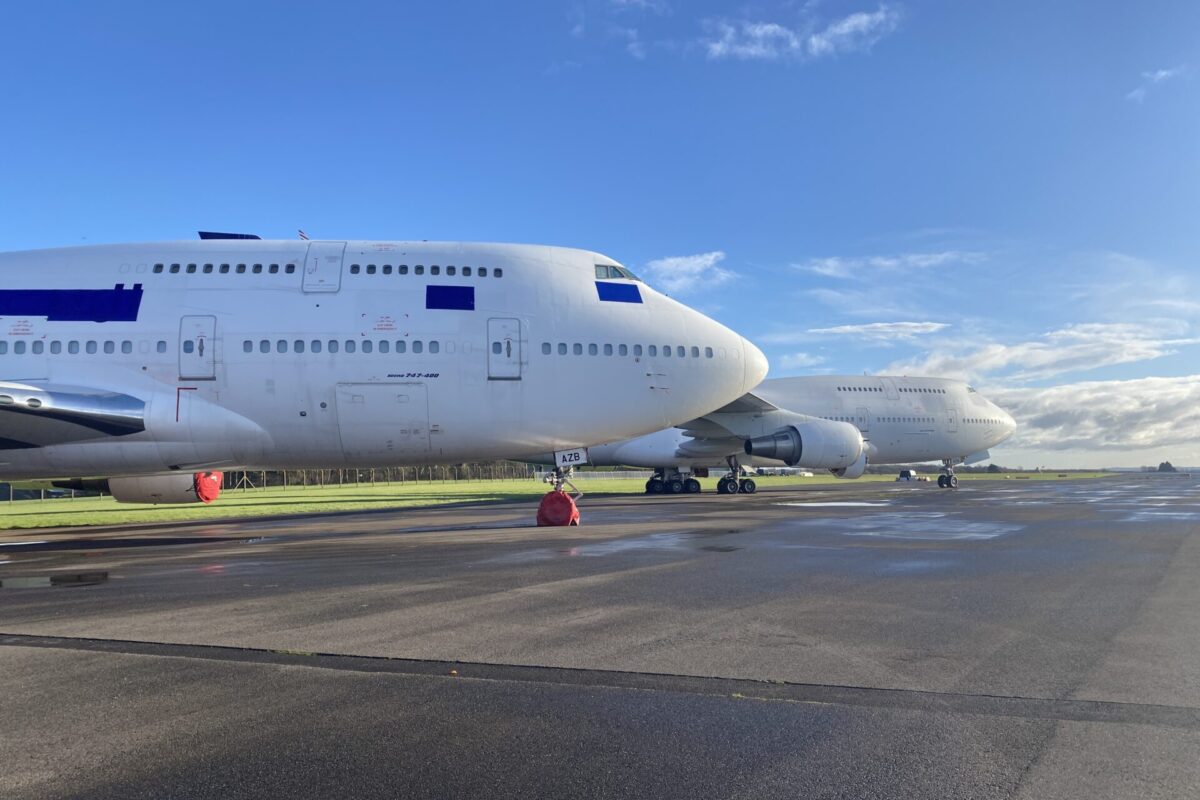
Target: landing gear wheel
[
  {"x": 952, "y": 481},
  {"x": 941, "y": 481},
  {"x": 723, "y": 486},
  {"x": 675, "y": 486},
  {"x": 691, "y": 486},
  {"x": 747, "y": 486},
  {"x": 654, "y": 486}
]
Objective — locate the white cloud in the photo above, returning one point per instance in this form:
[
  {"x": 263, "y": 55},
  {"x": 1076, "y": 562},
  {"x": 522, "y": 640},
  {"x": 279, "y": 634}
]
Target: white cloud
[
  {"x": 1107, "y": 416},
  {"x": 800, "y": 360},
  {"x": 1152, "y": 78},
  {"x": 847, "y": 267},
  {"x": 858, "y": 31},
  {"x": 682, "y": 274},
  {"x": 770, "y": 41},
  {"x": 653, "y": 6},
  {"x": 883, "y": 331},
  {"x": 1074, "y": 348},
  {"x": 634, "y": 45}
]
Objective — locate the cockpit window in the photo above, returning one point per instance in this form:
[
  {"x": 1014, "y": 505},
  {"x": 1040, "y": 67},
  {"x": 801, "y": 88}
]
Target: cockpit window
[
  {"x": 611, "y": 271},
  {"x": 971, "y": 389}
]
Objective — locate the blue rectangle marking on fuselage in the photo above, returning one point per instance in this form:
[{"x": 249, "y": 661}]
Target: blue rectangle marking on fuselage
[
  {"x": 618, "y": 292},
  {"x": 73, "y": 305},
  {"x": 450, "y": 298}
]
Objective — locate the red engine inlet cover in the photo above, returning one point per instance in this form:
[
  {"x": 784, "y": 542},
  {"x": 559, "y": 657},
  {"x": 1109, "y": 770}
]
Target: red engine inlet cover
[
  {"x": 208, "y": 485},
  {"x": 557, "y": 508}
]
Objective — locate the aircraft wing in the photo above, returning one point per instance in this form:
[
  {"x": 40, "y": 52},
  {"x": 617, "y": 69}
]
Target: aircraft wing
[
  {"x": 721, "y": 432},
  {"x": 41, "y": 414}
]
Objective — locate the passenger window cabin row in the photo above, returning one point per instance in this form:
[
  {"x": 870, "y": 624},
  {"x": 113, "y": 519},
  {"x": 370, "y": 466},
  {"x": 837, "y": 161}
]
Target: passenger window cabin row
[
  {"x": 905, "y": 389},
  {"x": 419, "y": 269},
  {"x": 637, "y": 350},
  {"x": 76, "y": 346},
  {"x": 417, "y": 346},
  {"x": 223, "y": 269}
]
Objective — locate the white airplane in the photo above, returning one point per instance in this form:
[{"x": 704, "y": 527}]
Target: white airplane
[
  {"x": 839, "y": 423},
  {"x": 152, "y": 366}
]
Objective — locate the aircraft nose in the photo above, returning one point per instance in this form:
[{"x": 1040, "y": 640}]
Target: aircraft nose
[
  {"x": 1008, "y": 424},
  {"x": 756, "y": 365}
]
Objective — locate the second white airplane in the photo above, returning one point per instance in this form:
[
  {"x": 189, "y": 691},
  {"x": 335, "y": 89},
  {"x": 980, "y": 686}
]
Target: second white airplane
[{"x": 839, "y": 423}]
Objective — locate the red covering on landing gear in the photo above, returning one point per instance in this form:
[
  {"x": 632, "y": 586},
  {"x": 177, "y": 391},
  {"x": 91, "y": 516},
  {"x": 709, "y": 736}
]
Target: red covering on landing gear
[
  {"x": 557, "y": 508},
  {"x": 208, "y": 485}
]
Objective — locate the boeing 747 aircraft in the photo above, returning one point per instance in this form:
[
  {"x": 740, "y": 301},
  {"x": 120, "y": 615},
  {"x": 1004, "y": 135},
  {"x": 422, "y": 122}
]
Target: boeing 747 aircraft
[
  {"x": 151, "y": 366},
  {"x": 829, "y": 422}
]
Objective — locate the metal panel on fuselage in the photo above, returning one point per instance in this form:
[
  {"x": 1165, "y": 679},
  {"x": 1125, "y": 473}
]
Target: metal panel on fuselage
[{"x": 386, "y": 422}]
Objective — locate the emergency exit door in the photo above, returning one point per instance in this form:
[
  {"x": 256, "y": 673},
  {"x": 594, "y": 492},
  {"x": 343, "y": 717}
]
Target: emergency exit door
[
  {"x": 504, "y": 349},
  {"x": 323, "y": 266},
  {"x": 198, "y": 348}
]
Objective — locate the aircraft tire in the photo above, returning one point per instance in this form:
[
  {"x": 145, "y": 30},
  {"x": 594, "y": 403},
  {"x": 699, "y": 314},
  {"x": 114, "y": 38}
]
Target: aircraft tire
[
  {"x": 692, "y": 486},
  {"x": 654, "y": 486},
  {"x": 941, "y": 481},
  {"x": 675, "y": 486},
  {"x": 747, "y": 486},
  {"x": 952, "y": 482}
]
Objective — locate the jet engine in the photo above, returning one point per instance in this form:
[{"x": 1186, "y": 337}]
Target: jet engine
[
  {"x": 811, "y": 442},
  {"x": 855, "y": 470},
  {"x": 177, "y": 487}
]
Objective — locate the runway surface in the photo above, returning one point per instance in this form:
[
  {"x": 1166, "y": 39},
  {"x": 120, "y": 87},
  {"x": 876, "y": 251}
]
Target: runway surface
[{"x": 1011, "y": 639}]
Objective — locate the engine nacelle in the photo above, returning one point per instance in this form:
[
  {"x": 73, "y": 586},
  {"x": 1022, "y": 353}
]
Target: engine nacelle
[
  {"x": 855, "y": 470},
  {"x": 811, "y": 442},
  {"x": 177, "y": 487}
]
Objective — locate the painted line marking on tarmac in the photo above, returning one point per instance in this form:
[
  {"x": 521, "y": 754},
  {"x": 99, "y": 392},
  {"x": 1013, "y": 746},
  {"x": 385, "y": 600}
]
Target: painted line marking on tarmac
[{"x": 1184, "y": 717}]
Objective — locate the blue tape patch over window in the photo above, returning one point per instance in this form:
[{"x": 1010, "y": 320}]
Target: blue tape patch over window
[
  {"x": 74, "y": 305},
  {"x": 450, "y": 298},
  {"x": 618, "y": 292}
]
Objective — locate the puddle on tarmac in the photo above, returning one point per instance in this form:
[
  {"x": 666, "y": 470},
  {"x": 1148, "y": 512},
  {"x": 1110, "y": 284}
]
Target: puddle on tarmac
[
  {"x": 1156, "y": 515},
  {"x": 839, "y": 504},
  {"x": 931, "y": 526},
  {"x": 656, "y": 541},
  {"x": 913, "y": 566}
]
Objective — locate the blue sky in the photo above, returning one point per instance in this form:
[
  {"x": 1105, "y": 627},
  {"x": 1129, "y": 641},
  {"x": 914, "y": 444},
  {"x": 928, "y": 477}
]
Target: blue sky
[{"x": 1003, "y": 191}]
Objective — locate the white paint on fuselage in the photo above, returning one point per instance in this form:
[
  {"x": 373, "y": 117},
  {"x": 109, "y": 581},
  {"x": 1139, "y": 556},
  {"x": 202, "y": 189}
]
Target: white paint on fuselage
[
  {"x": 283, "y": 408},
  {"x": 903, "y": 421}
]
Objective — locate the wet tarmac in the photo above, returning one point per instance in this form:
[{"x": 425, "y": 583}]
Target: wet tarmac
[{"x": 1011, "y": 639}]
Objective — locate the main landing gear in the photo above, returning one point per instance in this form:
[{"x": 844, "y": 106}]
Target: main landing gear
[
  {"x": 669, "y": 480},
  {"x": 733, "y": 483},
  {"x": 948, "y": 480}
]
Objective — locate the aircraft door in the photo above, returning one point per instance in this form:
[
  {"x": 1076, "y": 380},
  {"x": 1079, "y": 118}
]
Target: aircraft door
[
  {"x": 889, "y": 387},
  {"x": 504, "y": 349},
  {"x": 951, "y": 419},
  {"x": 864, "y": 420},
  {"x": 198, "y": 348},
  {"x": 323, "y": 266}
]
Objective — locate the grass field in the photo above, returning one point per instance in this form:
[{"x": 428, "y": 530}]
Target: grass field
[{"x": 63, "y": 512}]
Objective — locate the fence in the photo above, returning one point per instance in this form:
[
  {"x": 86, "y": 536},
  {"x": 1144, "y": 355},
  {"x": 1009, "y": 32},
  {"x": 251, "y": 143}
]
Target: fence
[{"x": 597, "y": 475}]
